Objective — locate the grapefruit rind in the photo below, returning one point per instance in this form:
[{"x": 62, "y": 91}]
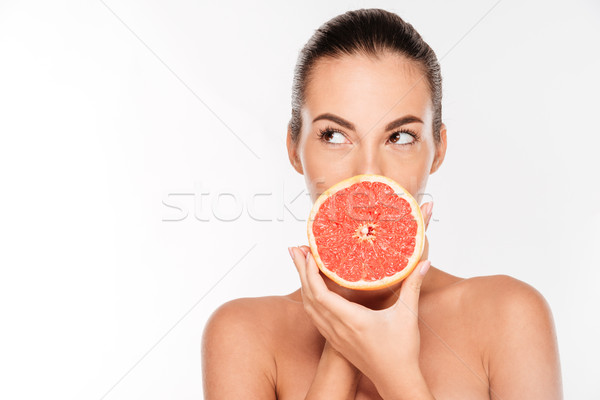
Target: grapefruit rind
[{"x": 419, "y": 237}]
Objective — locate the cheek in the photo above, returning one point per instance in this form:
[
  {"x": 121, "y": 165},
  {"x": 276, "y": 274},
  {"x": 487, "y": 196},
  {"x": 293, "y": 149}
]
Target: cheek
[
  {"x": 323, "y": 168},
  {"x": 320, "y": 170},
  {"x": 411, "y": 172}
]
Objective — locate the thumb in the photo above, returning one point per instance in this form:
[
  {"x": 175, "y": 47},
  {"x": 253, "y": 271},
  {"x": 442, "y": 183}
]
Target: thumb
[
  {"x": 411, "y": 287},
  {"x": 426, "y": 211},
  {"x": 425, "y": 254}
]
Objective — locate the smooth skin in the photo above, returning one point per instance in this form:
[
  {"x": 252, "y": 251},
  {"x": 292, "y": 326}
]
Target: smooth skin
[{"x": 433, "y": 336}]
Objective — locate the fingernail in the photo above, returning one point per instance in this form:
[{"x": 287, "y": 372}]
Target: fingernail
[
  {"x": 304, "y": 252},
  {"x": 425, "y": 267},
  {"x": 429, "y": 211},
  {"x": 291, "y": 252},
  {"x": 425, "y": 210},
  {"x": 307, "y": 255}
]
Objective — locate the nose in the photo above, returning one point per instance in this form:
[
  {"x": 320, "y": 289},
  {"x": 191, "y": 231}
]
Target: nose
[{"x": 368, "y": 160}]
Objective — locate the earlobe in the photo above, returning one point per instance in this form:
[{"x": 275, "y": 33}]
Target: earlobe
[{"x": 292, "y": 149}]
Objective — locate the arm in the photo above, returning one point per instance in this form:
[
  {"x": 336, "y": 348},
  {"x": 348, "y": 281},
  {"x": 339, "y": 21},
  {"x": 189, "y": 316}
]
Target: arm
[
  {"x": 336, "y": 378},
  {"x": 523, "y": 360},
  {"x": 236, "y": 361}
]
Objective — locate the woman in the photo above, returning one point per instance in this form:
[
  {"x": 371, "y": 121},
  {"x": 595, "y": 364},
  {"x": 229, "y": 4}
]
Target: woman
[{"x": 367, "y": 99}]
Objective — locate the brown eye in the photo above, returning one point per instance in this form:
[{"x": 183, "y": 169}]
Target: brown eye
[
  {"x": 403, "y": 138},
  {"x": 327, "y": 135},
  {"x": 332, "y": 136}
]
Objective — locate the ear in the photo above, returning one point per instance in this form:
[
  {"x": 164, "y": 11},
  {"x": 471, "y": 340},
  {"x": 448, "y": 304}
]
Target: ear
[
  {"x": 440, "y": 151},
  {"x": 292, "y": 149}
]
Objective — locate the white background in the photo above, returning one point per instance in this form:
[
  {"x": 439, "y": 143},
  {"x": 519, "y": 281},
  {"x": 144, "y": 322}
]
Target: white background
[{"x": 109, "y": 111}]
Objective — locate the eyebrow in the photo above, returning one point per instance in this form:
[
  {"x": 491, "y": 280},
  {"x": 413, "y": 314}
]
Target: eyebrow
[{"x": 407, "y": 119}]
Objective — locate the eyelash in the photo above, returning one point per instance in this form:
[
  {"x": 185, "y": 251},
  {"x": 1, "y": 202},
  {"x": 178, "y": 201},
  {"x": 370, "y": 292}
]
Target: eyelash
[{"x": 328, "y": 129}]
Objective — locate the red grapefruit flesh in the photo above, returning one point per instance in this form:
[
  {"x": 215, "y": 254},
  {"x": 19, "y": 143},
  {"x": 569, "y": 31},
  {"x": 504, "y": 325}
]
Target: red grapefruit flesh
[{"x": 366, "y": 232}]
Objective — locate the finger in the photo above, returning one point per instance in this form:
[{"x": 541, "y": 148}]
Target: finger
[
  {"x": 426, "y": 211},
  {"x": 312, "y": 308},
  {"x": 324, "y": 301},
  {"x": 314, "y": 280},
  {"x": 330, "y": 302},
  {"x": 294, "y": 254},
  {"x": 425, "y": 253},
  {"x": 291, "y": 250},
  {"x": 312, "y": 302},
  {"x": 411, "y": 288},
  {"x": 300, "y": 263},
  {"x": 304, "y": 249}
]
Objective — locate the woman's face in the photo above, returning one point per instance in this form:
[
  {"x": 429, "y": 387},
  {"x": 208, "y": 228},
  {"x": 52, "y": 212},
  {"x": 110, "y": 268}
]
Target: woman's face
[{"x": 380, "y": 117}]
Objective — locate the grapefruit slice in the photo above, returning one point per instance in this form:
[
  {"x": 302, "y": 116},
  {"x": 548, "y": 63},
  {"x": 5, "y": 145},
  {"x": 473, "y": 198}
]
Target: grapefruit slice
[{"x": 366, "y": 232}]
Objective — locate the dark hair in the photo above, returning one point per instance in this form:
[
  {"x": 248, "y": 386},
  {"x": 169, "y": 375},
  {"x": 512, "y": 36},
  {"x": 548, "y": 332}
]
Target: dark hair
[{"x": 370, "y": 32}]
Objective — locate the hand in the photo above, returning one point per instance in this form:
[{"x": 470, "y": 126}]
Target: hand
[{"x": 382, "y": 344}]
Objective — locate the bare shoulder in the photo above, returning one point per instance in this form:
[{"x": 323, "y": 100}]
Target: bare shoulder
[
  {"x": 250, "y": 319},
  {"x": 504, "y": 293},
  {"x": 488, "y": 298},
  {"x": 238, "y": 341},
  {"x": 247, "y": 309},
  {"x": 501, "y": 302},
  {"x": 515, "y": 328}
]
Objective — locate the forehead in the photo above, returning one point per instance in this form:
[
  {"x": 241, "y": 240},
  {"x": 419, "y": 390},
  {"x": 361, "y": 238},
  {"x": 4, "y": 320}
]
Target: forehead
[{"x": 363, "y": 89}]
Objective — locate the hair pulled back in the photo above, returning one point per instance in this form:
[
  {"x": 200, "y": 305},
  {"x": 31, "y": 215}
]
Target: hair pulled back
[{"x": 370, "y": 32}]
